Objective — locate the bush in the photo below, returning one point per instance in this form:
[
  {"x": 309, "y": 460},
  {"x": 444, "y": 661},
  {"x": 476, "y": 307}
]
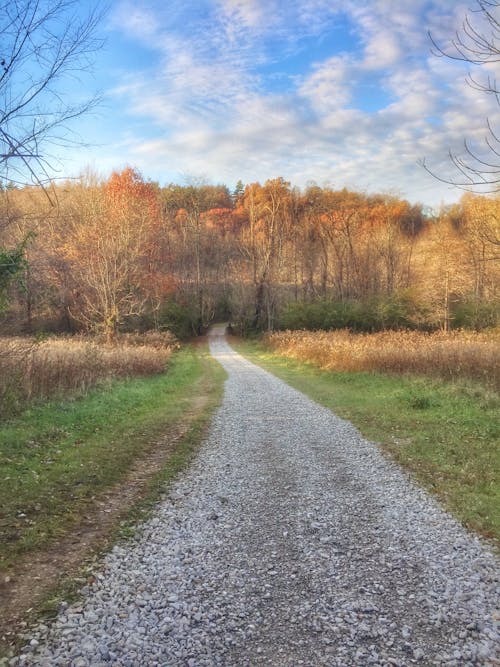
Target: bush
[
  {"x": 182, "y": 320},
  {"x": 474, "y": 314},
  {"x": 401, "y": 310}
]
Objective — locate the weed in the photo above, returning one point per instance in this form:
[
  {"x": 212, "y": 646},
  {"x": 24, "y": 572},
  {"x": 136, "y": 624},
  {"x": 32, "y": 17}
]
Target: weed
[
  {"x": 34, "y": 370},
  {"x": 451, "y": 356}
]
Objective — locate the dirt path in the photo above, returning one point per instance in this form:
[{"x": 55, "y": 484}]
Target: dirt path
[
  {"x": 289, "y": 541},
  {"x": 38, "y": 573}
]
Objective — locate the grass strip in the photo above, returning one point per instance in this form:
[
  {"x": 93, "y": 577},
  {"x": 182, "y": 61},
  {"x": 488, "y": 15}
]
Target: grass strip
[
  {"x": 56, "y": 457},
  {"x": 446, "y": 433}
]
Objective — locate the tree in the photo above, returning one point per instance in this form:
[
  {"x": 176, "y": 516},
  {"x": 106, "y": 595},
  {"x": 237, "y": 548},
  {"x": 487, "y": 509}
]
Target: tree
[
  {"x": 109, "y": 241},
  {"x": 12, "y": 250},
  {"x": 478, "y": 44},
  {"x": 238, "y": 192},
  {"x": 194, "y": 211},
  {"x": 477, "y": 221},
  {"x": 42, "y": 44},
  {"x": 268, "y": 209}
]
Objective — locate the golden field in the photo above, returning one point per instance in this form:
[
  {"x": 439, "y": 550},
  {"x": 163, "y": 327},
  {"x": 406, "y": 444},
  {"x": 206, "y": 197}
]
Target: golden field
[
  {"x": 31, "y": 370},
  {"x": 454, "y": 355}
]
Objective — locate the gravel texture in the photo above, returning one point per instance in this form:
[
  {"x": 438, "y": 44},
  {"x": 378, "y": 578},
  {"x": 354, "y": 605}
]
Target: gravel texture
[{"x": 289, "y": 541}]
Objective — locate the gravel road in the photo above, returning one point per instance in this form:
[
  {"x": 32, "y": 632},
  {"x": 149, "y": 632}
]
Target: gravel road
[{"x": 289, "y": 541}]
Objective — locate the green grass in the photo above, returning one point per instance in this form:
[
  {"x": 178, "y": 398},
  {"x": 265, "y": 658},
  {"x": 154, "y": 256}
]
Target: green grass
[
  {"x": 446, "y": 434},
  {"x": 56, "y": 457}
]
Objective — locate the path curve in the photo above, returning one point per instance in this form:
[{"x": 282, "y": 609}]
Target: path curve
[{"x": 289, "y": 541}]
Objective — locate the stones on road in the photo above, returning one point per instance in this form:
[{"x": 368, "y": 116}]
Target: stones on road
[{"x": 289, "y": 541}]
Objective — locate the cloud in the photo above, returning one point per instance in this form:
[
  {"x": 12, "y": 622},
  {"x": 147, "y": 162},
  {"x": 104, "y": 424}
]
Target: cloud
[
  {"x": 360, "y": 115},
  {"x": 381, "y": 51},
  {"x": 139, "y": 23},
  {"x": 329, "y": 86},
  {"x": 247, "y": 13}
]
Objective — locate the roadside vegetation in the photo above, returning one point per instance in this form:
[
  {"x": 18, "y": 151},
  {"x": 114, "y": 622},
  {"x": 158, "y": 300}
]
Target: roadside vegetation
[
  {"x": 444, "y": 431},
  {"x": 57, "y": 456},
  {"x": 39, "y": 369},
  {"x": 451, "y": 356}
]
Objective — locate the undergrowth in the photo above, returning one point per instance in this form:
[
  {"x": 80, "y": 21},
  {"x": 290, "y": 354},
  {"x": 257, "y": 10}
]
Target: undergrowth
[
  {"x": 452, "y": 356},
  {"x": 32, "y": 369}
]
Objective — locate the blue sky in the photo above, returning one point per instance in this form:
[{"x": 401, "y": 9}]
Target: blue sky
[{"x": 342, "y": 93}]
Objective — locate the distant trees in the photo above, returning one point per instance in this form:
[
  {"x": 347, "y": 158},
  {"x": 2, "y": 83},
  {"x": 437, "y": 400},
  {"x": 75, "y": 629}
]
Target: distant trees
[
  {"x": 268, "y": 210},
  {"x": 459, "y": 263},
  {"x": 122, "y": 253},
  {"x": 192, "y": 215},
  {"x": 477, "y": 225}
]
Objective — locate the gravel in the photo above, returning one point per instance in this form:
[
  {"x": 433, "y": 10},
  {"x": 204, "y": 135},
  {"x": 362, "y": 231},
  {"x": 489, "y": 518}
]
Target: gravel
[{"x": 289, "y": 541}]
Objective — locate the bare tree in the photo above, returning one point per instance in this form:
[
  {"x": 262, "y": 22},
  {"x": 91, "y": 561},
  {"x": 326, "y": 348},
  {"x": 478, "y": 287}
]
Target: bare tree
[
  {"x": 43, "y": 43},
  {"x": 476, "y": 43}
]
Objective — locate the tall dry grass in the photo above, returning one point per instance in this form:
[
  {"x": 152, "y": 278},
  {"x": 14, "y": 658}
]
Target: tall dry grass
[
  {"x": 31, "y": 370},
  {"x": 459, "y": 354}
]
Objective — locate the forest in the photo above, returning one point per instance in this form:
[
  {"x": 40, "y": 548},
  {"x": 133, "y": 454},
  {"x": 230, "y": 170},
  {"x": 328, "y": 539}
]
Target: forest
[{"x": 123, "y": 254}]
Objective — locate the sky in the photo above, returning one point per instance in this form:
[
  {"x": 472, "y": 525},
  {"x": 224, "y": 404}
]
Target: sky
[{"x": 342, "y": 93}]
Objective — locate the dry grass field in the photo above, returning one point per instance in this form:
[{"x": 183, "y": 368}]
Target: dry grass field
[
  {"x": 451, "y": 356},
  {"x": 31, "y": 370}
]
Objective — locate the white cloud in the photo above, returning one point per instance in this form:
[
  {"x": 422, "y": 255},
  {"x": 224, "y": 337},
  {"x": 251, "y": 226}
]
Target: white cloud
[
  {"x": 137, "y": 22},
  {"x": 208, "y": 104},
  {"x": 248, "y": 13},
  {"x": 382, "y": 50},
  {"x": 330, "y": 84}
]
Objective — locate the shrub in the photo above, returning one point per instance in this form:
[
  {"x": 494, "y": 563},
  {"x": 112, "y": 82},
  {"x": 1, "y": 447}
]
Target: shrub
[
  {"x": 182, "y": 320},
  {"x": 402, "y": 310},
  {"x": 474, "y": 314}
]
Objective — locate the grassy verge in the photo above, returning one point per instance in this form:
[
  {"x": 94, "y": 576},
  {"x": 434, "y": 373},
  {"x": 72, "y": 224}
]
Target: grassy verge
[
  {"x": 446, "y": 434},
  {"x": 34, "y": 371},
  {"x": 56, "y": 457}
]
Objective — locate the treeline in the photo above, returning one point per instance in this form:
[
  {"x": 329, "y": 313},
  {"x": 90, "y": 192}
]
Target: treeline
[{"x": 125, "y": 253}]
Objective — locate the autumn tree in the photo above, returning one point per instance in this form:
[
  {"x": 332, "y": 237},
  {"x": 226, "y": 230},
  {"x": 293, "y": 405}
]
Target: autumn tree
[
  {"x": 395, "y": 227},
  {"x": 341, "y": 228},
  {"x": 110, "y": 243},
  {"x": 196, "y": 244},
  {"x": 310, "y": 247},
  {"x": 476, "y": 221},
  {"x": 123, "y": 252},
  {"x": 42, "y": 45},
  {"x": 268, "y": 210},
  {"x": 222, "y": 258}
]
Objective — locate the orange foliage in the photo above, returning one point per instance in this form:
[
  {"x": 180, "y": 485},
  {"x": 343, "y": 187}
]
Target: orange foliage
[{"x": 127, "y": 194}]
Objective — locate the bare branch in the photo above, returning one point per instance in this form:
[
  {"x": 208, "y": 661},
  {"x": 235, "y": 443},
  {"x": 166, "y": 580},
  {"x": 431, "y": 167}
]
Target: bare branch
[
  {"x": 42, "y": 43},
  {"x": 478, "y": 43}
]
